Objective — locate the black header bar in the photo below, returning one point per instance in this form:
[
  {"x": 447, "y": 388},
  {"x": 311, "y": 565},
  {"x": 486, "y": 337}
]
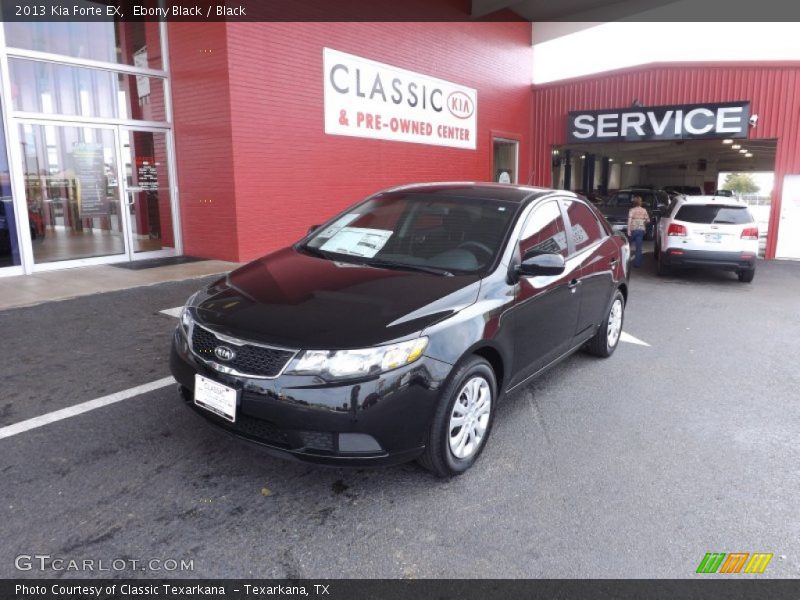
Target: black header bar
[
  {"x": 712, "y": 11},
  {"x": 705, "y": 587}
]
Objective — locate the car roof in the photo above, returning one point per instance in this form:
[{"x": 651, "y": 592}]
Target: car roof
[
  {"x": 476, "y": 189},
  {"x": 729, "y": 200}
]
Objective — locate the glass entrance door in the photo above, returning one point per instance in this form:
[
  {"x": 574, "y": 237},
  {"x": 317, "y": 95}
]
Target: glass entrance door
[
  {"x": 96, "y": 193},
  {"x": 148, "y": 201},
  {"x": 72, "y": 191}
]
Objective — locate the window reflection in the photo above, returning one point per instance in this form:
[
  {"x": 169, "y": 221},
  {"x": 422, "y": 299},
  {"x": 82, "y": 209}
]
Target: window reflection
[
  {"x": 59, "y": 89},
  {"x": 9, "y": 245},
  {"x": 586, "y": 229},
  {"x": 134, "y": 43},
  {"x": 544, "y": 232},
  {"x": 72, "y": 188}
]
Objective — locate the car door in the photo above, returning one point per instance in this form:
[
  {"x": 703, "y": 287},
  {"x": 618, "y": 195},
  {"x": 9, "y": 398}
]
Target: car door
[
  {"x": 598, "y": 256},
  {"x": 545, "y": 307}
]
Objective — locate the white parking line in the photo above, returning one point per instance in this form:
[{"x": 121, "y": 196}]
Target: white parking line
[
  {"x": 627, "y": 337},
  {"x": 172, "y": 312},
  {"x": 71, "y": 411}
]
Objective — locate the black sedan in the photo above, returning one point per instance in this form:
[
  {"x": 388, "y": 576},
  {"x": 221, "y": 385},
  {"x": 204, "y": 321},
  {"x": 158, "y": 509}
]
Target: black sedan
[{"x": 390, "y": 333}]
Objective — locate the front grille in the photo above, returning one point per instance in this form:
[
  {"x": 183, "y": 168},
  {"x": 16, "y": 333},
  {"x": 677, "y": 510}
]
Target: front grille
[{"x": 258, "y": 361}]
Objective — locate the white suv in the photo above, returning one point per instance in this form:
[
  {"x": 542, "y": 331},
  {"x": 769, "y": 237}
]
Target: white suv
[{"x": 707, "y": 231}]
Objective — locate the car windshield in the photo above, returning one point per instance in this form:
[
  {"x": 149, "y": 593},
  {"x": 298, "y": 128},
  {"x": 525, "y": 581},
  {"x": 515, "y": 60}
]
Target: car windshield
[
  {"x": 714, "y": 213},
  {"x": 426, "y": 231}
]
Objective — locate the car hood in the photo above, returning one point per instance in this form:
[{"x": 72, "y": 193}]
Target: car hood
[{"x": 305, "y": 302}]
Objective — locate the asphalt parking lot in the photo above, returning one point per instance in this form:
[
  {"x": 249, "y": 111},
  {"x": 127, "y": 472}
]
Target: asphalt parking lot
[{"x": 634, "y": 466}]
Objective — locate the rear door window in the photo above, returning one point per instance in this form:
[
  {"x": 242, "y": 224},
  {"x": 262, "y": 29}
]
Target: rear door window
[{"x": 714, "y": 213}]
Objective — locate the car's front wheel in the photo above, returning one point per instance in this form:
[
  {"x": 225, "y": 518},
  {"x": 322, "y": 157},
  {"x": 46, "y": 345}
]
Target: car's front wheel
[
  {"x": 463, "y": 419},
  {"x": 606, "y": 339}
]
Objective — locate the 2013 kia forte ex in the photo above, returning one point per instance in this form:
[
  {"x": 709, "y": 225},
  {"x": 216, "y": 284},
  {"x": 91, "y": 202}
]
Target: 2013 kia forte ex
[{"x": 390, "y": 333}]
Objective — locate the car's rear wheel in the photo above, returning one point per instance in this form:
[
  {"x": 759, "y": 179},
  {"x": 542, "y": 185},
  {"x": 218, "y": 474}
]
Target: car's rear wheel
[
  {"x": 746, "y": 276},
  {"x": 606, "y": 340},
  {"x": 463, "y": 419}
]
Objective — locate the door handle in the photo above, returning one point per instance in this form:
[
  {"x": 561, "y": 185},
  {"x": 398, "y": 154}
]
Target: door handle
[
  {"x": 572, "y": 285},
  {"x": 613, "y": 261}
]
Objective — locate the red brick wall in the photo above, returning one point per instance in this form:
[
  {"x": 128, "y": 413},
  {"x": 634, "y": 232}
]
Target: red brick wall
[
  {"x": 203, "y": 141},
  {"x": 286, "y": 173}
]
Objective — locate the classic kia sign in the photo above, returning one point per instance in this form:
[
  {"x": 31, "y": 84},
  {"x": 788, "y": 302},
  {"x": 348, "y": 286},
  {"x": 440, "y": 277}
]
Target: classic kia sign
[
  {"x": 364, "y": 98},
  {"x": 681, "y": 122}
]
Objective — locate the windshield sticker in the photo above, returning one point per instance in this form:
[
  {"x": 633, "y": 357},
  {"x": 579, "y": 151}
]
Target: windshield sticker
[
  {"x": 338, "y": 224},
  {"x": 357, "y": 241}
]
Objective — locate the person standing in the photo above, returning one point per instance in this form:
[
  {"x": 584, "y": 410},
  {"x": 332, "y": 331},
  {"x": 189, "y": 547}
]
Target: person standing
[{"x": 637, "y": 225}]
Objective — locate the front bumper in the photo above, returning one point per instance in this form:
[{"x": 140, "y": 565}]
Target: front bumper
[
  {"x": 378, "y": 421},
  {"x": 732, "y": 261}
]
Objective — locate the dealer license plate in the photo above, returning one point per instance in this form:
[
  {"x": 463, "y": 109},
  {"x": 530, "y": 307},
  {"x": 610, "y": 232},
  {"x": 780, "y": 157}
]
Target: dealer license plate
[
  {"x": 215, "y": 397},
  {"x": 714, "y": 238}
]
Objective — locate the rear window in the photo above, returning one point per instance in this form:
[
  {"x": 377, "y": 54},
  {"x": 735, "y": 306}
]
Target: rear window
[
  {"x": 625, "y": 199},
  {"x": 714, "y": 213}
]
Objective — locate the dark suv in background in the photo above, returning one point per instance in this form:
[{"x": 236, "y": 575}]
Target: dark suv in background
[{"x": 616, "y": 208}]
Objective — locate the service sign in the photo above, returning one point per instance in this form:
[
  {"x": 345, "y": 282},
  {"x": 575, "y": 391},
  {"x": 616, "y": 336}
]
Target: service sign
[
  {"x": 639, "y": 124},
  {"x": 364, "y": 98}
]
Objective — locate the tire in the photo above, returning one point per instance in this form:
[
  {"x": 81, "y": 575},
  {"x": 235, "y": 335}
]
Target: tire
[
  {"x": 474, "y": 378},
  {"x": 606, "y": 340},
  {"x": 747, "y": 275}
]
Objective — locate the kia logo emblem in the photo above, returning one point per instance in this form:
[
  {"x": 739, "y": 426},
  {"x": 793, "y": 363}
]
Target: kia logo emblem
[
  {"x": 224, "y": 353},
  {"x": 460, "y": 105}
]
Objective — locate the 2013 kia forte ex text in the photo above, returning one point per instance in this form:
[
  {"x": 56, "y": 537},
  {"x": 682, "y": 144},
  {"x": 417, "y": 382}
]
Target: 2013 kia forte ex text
[{"x": 390, "y": 333}]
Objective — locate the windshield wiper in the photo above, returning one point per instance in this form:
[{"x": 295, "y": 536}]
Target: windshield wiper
[{"x": 422, "y": 268}]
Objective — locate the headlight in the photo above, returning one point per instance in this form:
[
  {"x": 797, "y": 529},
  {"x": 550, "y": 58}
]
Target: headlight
[
  {"x": 356, "y": 363},
  {"x": 186, "y": 320},
  {"x": 186, "y": 316}
]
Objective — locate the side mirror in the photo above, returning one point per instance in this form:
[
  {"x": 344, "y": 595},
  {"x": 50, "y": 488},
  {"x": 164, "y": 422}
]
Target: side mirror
[
  {"x": 312, "y": 229},
  {"x": 542, "y": 264}
]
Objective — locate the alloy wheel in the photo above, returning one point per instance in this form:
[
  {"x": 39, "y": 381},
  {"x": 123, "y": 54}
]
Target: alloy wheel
[
  {"x": 469, "y": 418},
  {"x": 614, "y": 323}
]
